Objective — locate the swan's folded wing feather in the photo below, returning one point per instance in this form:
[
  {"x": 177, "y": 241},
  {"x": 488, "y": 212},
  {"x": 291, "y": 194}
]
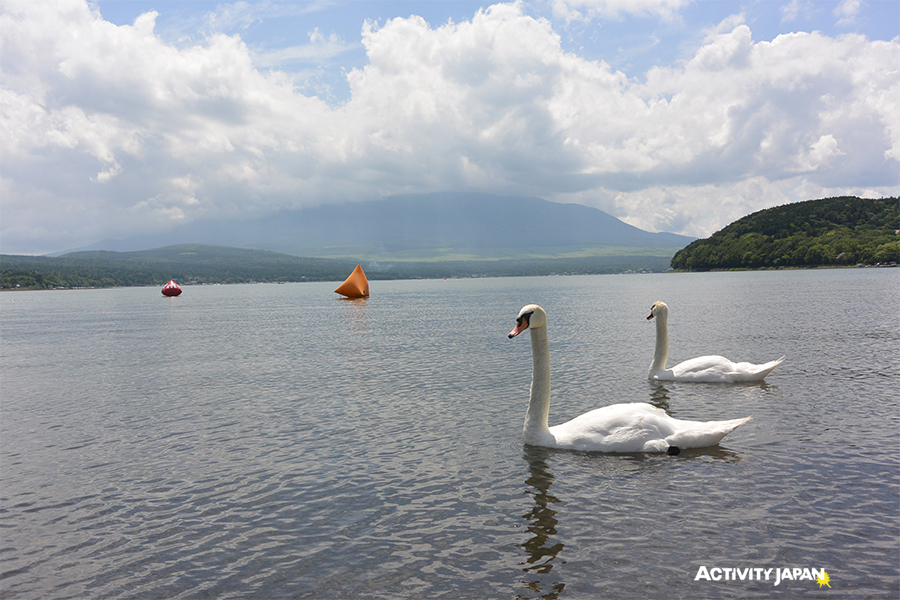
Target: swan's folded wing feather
[
  {"x": 716, "y": 369},
  {"x": 704, "y": 368},
  {"x": 616, "y": 428}
]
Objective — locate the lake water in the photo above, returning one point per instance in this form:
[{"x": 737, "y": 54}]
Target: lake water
[{"x": 274, "y": 441}]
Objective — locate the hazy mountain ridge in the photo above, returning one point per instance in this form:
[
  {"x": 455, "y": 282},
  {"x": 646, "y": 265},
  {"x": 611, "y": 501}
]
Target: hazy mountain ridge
[
  {"x": 194, "y": 263},
  {"x": 422, "y": 226},
  {"x": 189, "y": 263},
  {"x": 432, "y": 235}
]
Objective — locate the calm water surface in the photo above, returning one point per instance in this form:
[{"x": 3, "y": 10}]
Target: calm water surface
[{"x": 274, "y": 441}]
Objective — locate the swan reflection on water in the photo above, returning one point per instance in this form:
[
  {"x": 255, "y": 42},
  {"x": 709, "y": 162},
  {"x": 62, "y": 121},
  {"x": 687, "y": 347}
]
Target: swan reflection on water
[
  {"x": 542, "y": 549},
  {"x": 660, "y": 391},
  {"x": 659, "y": 395}
]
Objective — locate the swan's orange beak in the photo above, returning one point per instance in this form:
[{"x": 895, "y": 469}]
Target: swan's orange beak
[
  {"x": 650, "y": 317},
  {"x": 522, "y": 324},
  {"x": 519, "y": 328}
]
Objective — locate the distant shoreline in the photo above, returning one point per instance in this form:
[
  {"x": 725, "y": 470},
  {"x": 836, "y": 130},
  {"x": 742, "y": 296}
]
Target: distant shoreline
[
  {"x": 565, "y": 274},
  {"x": 788, "y": 268}
]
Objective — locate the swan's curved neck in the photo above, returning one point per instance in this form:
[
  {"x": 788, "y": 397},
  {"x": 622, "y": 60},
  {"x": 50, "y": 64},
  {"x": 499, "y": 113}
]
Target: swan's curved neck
[
  {"x": 539, "y": 407},
  {"x": 661, "y": 354}
]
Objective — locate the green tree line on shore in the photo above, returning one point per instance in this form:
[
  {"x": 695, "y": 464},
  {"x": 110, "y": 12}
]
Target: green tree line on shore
[
  {"x": 198, "y": 264},
  {"x": 186, "y": 264},
  {"x": 828, "y": 232}
]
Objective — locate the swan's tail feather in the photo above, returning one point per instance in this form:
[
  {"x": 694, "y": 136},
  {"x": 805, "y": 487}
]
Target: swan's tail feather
[
  {"x": 768, "y": 367},
  {"x": 772, "y": 364},
  {"x": 701, "y": 435},
  {"x": 756, "y": 372}
]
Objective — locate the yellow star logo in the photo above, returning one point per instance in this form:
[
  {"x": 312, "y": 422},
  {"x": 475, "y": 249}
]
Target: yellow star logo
[{"x": 823, "y": 580}]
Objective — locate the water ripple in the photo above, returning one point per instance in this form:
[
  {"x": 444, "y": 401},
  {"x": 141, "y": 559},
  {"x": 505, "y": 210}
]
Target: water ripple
[{"x": 279, "y": 445}]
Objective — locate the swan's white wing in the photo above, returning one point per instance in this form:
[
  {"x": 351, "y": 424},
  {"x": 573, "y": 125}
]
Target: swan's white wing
[
  {"x": 704, "y": 368},
  {"x": 718, "y": 369},
  {"x": 638, "y": 427}
]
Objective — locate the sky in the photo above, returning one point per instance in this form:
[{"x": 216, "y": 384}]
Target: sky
[{"x": 122, "y": 117}]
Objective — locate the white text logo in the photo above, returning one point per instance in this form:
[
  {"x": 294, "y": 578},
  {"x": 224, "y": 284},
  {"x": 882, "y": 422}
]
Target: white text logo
[{"x": 761, "y": 574}]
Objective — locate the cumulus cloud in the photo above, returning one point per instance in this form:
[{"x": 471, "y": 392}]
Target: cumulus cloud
[{"x": 117, "y": 132}]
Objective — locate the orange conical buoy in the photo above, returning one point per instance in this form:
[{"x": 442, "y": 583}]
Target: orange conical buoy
[
  {"x": 355, "y": 286},
  {"x": 171, "y": 289}
]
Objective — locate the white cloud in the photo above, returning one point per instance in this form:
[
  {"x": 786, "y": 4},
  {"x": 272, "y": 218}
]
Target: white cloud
[
  {"x": 612, "y": 9},
  {"x": 701, "y": 210},
  {"x": 760, "y": 106},
  {"x": 820, "y": 153},
  {"x": 117, "y": 132},
  {"x": 319, "y": 48},
  {"x": 236, "y": 16},
  {"x": 847, "y": 11},
  {"x": 725, "y": 26},
  {"x": 790, "y": 11}
]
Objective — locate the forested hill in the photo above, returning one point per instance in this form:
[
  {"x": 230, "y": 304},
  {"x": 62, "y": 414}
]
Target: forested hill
[{"x": 828, "y": 232}]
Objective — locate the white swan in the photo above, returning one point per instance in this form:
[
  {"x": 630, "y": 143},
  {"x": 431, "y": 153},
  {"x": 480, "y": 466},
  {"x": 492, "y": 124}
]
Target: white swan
[
  {"x": 638, "y": 427},
  {"x": 706, "y": 369}
]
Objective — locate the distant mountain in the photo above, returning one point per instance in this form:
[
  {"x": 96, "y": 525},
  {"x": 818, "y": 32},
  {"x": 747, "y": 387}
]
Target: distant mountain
[
  {"x": 832, "y": 231},
  {"x": 440, "y": 226},
  {"x": 196, "y": 264},
  {"x": 189, "y": 263}
]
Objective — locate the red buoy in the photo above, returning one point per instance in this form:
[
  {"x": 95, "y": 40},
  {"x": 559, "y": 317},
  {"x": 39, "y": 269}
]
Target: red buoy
[{"x": 171, "y": 289}]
